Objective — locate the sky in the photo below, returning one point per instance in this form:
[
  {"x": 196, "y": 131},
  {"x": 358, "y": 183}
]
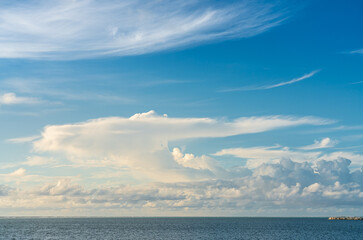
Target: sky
[{"x": 181, "y": 108}]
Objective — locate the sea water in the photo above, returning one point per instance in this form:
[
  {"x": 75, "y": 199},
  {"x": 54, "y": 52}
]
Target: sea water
[{"x": 179, "y": 228}]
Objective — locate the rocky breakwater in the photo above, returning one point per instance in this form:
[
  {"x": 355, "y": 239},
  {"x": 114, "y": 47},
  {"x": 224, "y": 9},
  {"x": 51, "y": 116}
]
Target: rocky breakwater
[{"x": 345, "y": 218}]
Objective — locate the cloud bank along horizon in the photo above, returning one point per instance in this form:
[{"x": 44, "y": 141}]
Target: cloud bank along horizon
[{"x": 172, "y": 179}]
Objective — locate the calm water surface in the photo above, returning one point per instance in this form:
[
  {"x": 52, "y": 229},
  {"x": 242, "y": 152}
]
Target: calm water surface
[{"x": 179, "y": 228}]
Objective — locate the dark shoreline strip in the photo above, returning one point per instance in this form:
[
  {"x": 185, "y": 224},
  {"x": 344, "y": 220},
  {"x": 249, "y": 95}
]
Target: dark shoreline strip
[{"x": 345, "y": 218}]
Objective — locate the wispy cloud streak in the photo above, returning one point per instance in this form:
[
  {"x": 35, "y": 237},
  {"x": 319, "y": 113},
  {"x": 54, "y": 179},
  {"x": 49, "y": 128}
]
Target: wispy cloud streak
[
  {"x": 251, "y": 88},
  {"x": 23, "y": 139},
  {"x": 295, "y": 80},
  {"x": 359, "y": 51},
  {"x": 65, "y": 29},
  {"x": 12, "y": 98}
]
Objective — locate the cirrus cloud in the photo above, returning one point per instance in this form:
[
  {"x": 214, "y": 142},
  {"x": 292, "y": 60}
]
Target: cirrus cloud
[{"x": 67, "y": 29}]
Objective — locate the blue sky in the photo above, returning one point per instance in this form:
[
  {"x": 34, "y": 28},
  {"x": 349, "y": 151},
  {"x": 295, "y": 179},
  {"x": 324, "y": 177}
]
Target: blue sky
[{"x": 248, "y": 108}]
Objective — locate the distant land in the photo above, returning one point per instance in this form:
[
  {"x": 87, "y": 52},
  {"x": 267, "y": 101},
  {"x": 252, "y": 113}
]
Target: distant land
[{"x": 346, "y": 218}]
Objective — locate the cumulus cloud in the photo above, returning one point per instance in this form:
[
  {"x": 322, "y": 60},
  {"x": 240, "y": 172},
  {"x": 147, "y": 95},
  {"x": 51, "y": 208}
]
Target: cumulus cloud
[
  {"x": 203, "y": 162},
  {"x": 62, "y": 187},
  {"x": 4, "y": 190},
  {"x": 274, "y": 178},
  {"x": 65, "y": 29},
  {"x": 140, "y": 142},
  {"x": 355, "y": 158},
  {"x": 285, "y": 185},
  {"x": 258, "y": 155},
  {"x": 12, "y": 98}
]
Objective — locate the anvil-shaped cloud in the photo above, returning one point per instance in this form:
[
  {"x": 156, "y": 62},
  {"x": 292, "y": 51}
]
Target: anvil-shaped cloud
[{"x": 140, "y": 143}]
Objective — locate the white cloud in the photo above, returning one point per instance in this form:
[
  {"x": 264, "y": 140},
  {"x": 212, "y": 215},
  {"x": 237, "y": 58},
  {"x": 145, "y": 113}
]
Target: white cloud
[
  {"x": 203, "y": 162},
  {"x": 189, "y": 160},
  {"x": 295, "y": 80},
  {"x": 360, "y": 51},
  {"x": 12, "y": 98},
  {"x": 30, "y": 161},
  {"x": 38, "y": 161},
  {"x": 279, "y": 178},
  {"x": 59, "y": 91},
  {"x": 140, "y": 142},
  {"x": 286, "y": 185},
  {"x": 324, "y": 143},
  {"x": 258, "y": 155},
  {"x": 23, "y": 178},
  {"x": 357, "y": 82},
  {"x": 23, "y": 139},
  {"x": 355, "y": 158},
  {"x": 18, "y": 173},
  {"x": 64, "y": 29},
  {"x": 62, "y": 187}
]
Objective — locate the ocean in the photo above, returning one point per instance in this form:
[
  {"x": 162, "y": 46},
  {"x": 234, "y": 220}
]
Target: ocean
[{"x": 179, "y": 228}]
